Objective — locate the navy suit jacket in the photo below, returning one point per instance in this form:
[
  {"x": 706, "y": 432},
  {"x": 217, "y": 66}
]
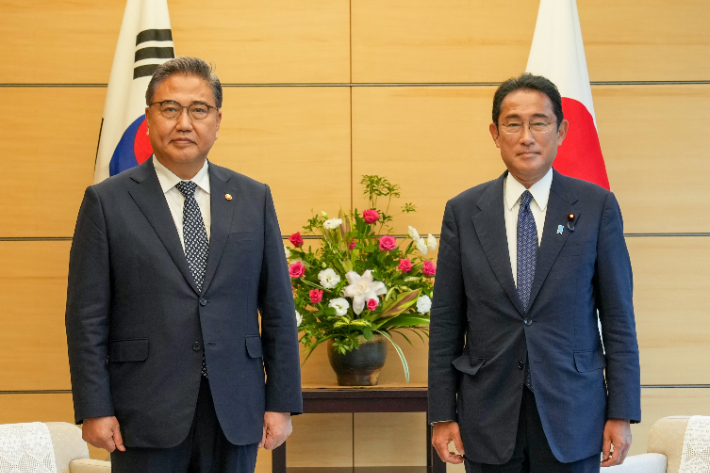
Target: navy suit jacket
[
  {"x": 137, "y": 325},
  {"x": 481, "y": 335}
]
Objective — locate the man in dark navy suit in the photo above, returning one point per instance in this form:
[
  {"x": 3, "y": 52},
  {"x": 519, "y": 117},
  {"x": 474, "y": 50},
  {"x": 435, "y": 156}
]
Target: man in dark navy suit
[
  {"x": 170, "y": 266},
  {"x": 520, "y": 378}
]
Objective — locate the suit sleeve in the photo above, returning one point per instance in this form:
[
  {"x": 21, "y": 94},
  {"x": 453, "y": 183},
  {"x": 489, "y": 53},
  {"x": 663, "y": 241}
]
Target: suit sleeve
[
  {"x": 616, "y": 313},
  {"x": 279, "y": 333},
  {"x": 447, "y": 330},
  {"x": 88, "y": 311}
]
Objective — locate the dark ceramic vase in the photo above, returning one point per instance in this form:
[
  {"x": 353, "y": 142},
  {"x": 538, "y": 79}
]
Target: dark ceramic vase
[{"x": 360, "y": 367}]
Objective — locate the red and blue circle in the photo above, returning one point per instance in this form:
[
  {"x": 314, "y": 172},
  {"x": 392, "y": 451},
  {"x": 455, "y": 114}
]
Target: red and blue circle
[{"x": 133, "y": 149}]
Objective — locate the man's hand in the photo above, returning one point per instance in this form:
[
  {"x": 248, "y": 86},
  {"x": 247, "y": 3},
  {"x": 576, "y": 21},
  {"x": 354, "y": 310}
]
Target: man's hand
[
  {"x": 103, "y": 432},
  {"x": 617, "y": 432},
  {"x": 444, "y": 433},
  {"x": 277, "y": 428}
]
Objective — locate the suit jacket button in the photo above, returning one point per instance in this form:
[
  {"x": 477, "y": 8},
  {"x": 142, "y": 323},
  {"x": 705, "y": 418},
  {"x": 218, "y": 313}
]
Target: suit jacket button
[
  {"x": 527, "y": 322},
  {"x": 521, "y": 365},
  {"x": 196, "y": 346},
  {"x": 203, "y": 302}
]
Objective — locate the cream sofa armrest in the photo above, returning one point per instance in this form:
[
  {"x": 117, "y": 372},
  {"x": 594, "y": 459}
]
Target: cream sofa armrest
[
  {"x": 666, "y": 437},
  {"x": 90, "y": 466},
  {"x": 645, "y": 463}
]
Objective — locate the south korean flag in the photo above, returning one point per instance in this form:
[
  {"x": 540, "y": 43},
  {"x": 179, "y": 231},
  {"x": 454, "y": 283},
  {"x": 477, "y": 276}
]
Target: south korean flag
[{"x": 144, "y": 43}]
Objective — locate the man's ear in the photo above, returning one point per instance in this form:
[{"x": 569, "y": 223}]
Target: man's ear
[
  {"x": 494, "y": 133},
  {"x": 562, "y": 132},
  {"x": 147, "y": 116},
  {"x": 219, "y": 122}
]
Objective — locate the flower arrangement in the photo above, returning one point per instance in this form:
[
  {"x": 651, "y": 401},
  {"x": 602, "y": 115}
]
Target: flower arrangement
[{"x": 361, "y": 282}]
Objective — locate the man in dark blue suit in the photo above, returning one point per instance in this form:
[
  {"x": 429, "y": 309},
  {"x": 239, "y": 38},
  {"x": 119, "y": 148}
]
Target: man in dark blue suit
[
  {"x": 171, "y": 264},
  {"x": 516, "y": 361}
]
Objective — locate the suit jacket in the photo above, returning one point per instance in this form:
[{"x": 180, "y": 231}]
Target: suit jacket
[
  {"x": 481, "y": 335},
  {"x": 137, "y": 326}
]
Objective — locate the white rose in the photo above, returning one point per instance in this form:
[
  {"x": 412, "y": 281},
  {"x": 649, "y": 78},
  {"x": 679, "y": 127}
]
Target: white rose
[
  {"x": 413, "y": 233},
  {"x": 299, "y": 319},
  {"x": 328, "y": 278},
  {"x": 421, "y": 245},
  {"x": 333, "y": 223},
  {"x": 431, "y": 242},
  {"x": 340, "y": 305},
  {"x": 423, "y": 305}
]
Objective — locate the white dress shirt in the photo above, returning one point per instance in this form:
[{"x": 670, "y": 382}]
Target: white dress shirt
[
  {"x": 176, "y": 201},
  {"x": 512, "y": 191}
]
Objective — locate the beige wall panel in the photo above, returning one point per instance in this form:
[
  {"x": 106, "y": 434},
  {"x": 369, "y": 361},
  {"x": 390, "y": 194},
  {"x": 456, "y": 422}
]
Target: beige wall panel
[
  {"x": 390, "y": 439},
  {"x": 267, "y": 42},
  {"x": 476, "y": 41},
  {"x": 324, "y": 440},
  {"x": 432, "y": 141},
  {"x": 58, "y": 42},
  {"x": 250, "y": 41},
  {"x": 645, "y": 40},
  {"x": 652, "y": 138},
  {"x": 659, "y": 403},
  {"x": 671, "y": 282},
  {"x": 33, "y": 289},
  {"x": 49, "y": 149},
  {"x": 16, "y": 408},
  {"x": 295, "y": 139},
  {"x": 445, "y": 41}
]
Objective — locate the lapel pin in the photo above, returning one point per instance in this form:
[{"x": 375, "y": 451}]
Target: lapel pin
[
  {"x": 570, "y": 223},
  {"x": 228, "y": 196},
  {"x": 560, "y": 229}
]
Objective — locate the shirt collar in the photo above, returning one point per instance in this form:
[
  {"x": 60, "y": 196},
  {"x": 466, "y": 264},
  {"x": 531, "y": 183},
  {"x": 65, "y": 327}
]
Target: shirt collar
[
  {"x": 540, "y": 191},
  {"x": 168, "y": 179}
]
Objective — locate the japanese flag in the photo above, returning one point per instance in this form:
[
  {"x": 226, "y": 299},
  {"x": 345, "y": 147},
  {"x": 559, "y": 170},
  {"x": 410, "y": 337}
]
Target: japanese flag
[
  {"x": 558, "y": 53},
  {"x": 144, "y": 43}
]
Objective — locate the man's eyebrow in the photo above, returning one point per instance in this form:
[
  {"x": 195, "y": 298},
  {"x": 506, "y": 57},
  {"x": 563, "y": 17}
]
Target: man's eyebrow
[{"x": 535, "y": 115}]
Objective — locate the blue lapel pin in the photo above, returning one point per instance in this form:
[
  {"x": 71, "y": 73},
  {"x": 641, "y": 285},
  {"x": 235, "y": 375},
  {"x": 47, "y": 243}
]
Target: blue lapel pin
[{"x": 560, "y": 229}]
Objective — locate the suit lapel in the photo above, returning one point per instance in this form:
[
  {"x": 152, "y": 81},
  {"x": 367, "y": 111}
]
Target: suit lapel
[
  {"x": 222, "y": 211},
  {"x": 149, "y": 197},
  {"x": 560, "y": 205},
  {"x": 489, "y": 223}
]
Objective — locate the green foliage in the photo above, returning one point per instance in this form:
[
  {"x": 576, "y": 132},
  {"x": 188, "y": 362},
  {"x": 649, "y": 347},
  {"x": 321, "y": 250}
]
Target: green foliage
[{"x": 351, "y": 245}]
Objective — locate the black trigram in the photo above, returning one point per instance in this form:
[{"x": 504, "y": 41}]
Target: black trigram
[{"x": 160, "y": 47}]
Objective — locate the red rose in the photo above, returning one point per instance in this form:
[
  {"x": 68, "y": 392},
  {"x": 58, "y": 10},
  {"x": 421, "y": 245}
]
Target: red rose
[
  {"x": 352, "y": 245},
  {"x": 296, "y": 239},
  {"x": 297, "y": 270},
  {"x": 372, "y": 304},
  {"x": 428, "y": 269},
  {"x": 405, "y": 265},
  {"x": 388, "y": 243},
  {"x": 371, "y": 216},
  {"x": 316, "y": 296}
]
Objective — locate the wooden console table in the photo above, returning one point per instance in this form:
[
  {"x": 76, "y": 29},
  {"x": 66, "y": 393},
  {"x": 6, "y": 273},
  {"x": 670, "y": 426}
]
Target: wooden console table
[{"x": 337, "y": 399}]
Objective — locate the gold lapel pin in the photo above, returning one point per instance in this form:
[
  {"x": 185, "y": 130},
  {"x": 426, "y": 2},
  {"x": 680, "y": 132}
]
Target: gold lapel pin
[
  {"x": 228, "y": 196},
  {"x": 570, "y": 223}
]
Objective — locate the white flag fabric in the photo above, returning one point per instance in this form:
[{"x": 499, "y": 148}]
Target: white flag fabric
[
  {"x": 144, "y": 43},
  {"x": 557, "y": 53}
]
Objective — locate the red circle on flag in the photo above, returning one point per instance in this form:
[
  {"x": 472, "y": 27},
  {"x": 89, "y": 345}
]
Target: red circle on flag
[{"x": 141, "y": 144}]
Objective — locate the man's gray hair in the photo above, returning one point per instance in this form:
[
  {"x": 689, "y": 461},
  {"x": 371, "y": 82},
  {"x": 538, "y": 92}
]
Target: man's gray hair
[{"x": 188, "y": 66}]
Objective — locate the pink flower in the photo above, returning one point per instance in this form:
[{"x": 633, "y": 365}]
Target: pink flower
[
  {"x": 297, "y": 270},
  {"x": 316, "y": 296},
  {"x": 429, "y": 269},
  {"x": 296, "y": 239},
  {"x": 352, "y": 245},
  {"x": 371, "y": 216},
  {"x": 405, "y": 265},
  {"x": 388, "y": 243},
  {"x": 372, "y": 304}
]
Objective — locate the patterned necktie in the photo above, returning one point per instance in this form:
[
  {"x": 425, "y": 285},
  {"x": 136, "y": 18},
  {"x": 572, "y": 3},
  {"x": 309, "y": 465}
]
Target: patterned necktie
[
  {"x": 527, "y": 258},
  {"x": 194, "y": 233},
  {"x": 195, "y": 237}
]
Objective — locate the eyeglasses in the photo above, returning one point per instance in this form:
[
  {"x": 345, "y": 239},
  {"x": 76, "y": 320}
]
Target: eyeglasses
[
  {"x": 514, "y": 128},
  {"x": 171, "y": 109}
]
